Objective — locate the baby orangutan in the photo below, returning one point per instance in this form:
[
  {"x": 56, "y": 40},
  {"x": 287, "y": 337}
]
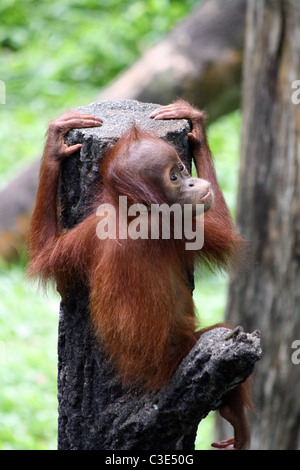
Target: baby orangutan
[{"x": 141, "y": 306}]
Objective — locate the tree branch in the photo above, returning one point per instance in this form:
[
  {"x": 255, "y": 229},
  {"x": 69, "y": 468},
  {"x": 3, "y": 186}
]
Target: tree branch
[{"x": 212, "y": 368}]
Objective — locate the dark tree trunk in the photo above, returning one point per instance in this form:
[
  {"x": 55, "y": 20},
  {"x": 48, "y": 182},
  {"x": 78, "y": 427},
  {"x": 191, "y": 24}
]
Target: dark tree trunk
[
  {"x": 95, "y": 412},
  {"x": 266, "y": 295}
]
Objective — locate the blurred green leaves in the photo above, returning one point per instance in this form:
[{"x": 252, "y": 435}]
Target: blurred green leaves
[
  {"x": 55, "y": 55},
  {"x": 75, "y": 42},
  {"x": 28, "y": 404},
  {"x": 224, "y": 141}
]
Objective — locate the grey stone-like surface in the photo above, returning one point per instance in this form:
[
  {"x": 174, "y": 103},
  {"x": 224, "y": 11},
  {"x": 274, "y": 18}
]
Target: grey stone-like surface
[
  {"x": 119, "y": 115},
  {"x": 80, "y": 172}
]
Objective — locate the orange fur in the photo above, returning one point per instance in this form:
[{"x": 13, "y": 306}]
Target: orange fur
[
  {"x": 140, "y": 303},
  {"x": 141, "y": 306}
]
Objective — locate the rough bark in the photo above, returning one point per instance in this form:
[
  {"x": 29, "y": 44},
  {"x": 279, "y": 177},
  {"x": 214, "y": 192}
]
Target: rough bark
[
  {"x": 199, "y": 61},
  {"x": 266, "y": 295},
  {"x": 95, "y": 412}
]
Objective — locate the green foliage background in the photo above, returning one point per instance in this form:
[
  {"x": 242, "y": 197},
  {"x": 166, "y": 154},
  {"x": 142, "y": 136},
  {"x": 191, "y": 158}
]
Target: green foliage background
[{"x": 56, "y": 55}]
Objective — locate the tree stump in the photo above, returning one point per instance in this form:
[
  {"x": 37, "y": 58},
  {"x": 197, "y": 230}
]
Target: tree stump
[{"x": 95, "y": 412}]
